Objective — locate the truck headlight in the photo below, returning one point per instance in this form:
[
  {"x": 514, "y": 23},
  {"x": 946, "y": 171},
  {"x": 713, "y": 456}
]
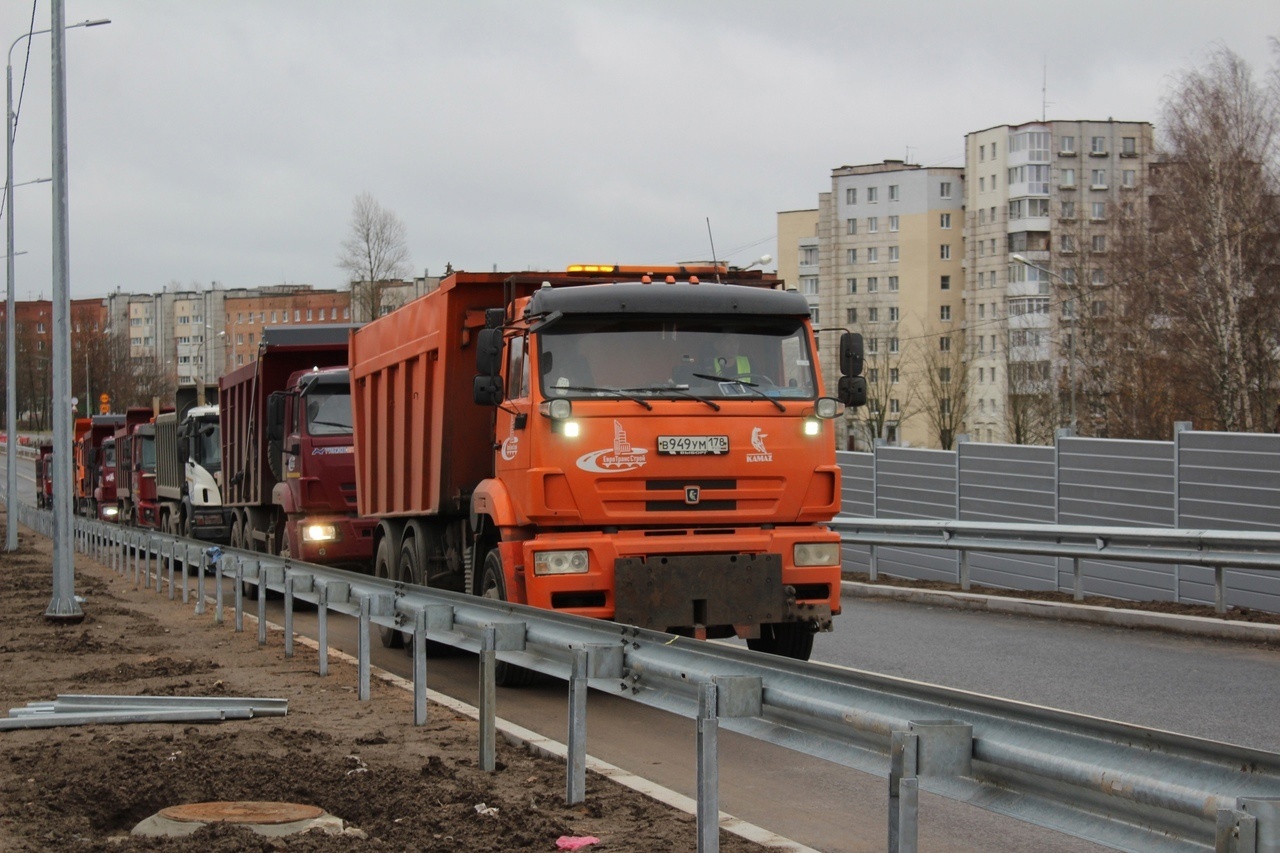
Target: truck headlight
[
  {"x": 111, "y": 511},
  {"x": 560, "y": 563},
  {"x": 319, "y": 532},
  {"x": 816, "y": 554}
]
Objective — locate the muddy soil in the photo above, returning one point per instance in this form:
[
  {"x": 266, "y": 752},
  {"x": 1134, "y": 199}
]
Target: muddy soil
[{"x": 398, "y": 786}]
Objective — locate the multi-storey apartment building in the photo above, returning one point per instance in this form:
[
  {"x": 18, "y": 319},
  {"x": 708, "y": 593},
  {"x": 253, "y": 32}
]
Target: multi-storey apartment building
[
  {"x": 1040, "y": 201},
  {"x": 884, "y": 257},
  {"x": 247, "y": 312}
]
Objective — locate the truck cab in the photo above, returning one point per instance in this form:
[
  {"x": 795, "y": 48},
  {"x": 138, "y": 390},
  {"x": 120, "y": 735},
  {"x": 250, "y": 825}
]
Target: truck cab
[
  {"x": 44, "y": 477},
  {"x": 309, "y": 440},
  {"x": 104, "y": 494}
]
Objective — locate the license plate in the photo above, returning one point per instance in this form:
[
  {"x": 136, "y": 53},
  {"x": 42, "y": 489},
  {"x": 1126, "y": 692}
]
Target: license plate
[{"x": 693, "y": 445}]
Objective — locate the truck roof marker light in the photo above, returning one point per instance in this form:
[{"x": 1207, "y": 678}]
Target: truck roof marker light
[
  {"x": 671, "y": 279},
  {"x": 646, "y": 279},
  {"x": 693, "y": 279}
]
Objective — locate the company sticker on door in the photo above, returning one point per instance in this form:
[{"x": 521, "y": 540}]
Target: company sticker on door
[{"x": 621, "y": 457}]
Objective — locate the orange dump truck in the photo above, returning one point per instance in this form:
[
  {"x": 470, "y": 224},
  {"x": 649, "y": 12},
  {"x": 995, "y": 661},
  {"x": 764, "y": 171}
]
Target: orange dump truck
[{"x": 578, "y": 442}]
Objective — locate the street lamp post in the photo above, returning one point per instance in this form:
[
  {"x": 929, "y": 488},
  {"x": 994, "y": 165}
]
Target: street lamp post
[
  {"x": 11, "y": 369},
  {"x": 1071, "y": 340}
]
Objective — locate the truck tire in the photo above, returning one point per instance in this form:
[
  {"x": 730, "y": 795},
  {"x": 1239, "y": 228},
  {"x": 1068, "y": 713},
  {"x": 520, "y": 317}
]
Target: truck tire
[
  {"x": 237, "y": 531},
  {"x": 493, "y": 584},
  {"x": 382, "y": 566},
  {"x": 786, "y": 639}
]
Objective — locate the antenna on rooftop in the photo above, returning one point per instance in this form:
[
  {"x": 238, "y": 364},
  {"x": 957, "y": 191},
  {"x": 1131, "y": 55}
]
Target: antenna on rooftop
[{"x": 714, "y": 262}]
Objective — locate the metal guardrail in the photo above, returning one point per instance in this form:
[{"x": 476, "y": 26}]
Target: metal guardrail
[
  {"x": 1217, "y": 549},
  {"x": 1119, "y": 785}
]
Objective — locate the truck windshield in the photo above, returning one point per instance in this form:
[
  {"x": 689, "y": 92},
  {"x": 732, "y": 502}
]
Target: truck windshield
[
  {"x": 329, "y": 410},
  {"x": 209, "y": 446},
  {"x": 582, "y": 357},
  {"x": 109, "y": 455},
  {"x": 148, "y": 452}
]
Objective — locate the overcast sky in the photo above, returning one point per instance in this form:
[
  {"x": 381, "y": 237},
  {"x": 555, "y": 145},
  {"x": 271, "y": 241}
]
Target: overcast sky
[{"x": 225, "y": 140}]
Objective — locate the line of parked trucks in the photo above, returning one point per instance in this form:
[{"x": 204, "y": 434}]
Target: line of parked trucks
[{"x": 577, "y": 441}]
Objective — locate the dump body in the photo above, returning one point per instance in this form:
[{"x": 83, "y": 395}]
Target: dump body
[
  {"x": 144, "y": 508},
  {"x": 286, "y": 433},
  {"x": 189, "y": 470},
  {"x": 624, "y": 475}
]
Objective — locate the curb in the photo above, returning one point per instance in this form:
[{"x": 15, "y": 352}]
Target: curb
[{"x": 1253, "y": 632}]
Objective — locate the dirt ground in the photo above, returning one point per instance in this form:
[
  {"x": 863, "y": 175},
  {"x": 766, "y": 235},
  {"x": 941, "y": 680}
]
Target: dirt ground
[{"x": 403, "y": 787}]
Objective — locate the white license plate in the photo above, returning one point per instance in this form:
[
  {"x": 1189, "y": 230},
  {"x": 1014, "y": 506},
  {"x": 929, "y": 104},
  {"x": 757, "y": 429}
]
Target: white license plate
[{"x": 693, "y": 445}]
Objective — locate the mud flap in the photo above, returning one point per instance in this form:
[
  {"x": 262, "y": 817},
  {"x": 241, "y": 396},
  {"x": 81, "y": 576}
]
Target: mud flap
[{"x": 686, "y": 591}]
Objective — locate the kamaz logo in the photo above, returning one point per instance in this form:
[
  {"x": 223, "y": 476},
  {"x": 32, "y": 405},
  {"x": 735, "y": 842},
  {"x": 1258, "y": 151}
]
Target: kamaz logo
[{"x": 692, "y": 494}]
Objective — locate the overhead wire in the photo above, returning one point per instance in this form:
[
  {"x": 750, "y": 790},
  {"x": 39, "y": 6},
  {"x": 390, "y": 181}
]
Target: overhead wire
[{"x": 11, "y": 125}]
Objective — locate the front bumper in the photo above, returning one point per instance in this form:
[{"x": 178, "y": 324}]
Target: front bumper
[{"x": 353, "y": 545}]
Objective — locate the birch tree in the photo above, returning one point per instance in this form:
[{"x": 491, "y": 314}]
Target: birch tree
[{"x": 375, "y": 255}]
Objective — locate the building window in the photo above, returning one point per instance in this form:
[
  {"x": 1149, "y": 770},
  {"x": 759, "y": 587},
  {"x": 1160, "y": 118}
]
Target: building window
[
  {"x": 1099, "y": 209},
  {"x": 852, "y": 226},
  {"x": 297, "y": 315},
  {"x": 1128, "y": 146},
  {"x": 346, "y": 313},
  {"x": 1098, "y": 278},
  {"x": 894, "y": 407},
  {"x": 873, "y": 347},
  {"x": 893, "y": 254},
  {"x": 982, "y": 185},
  {"x": 873, "y": 254},
  {"x": 893, "y": 314},
  {"x": 945, "y": 253},
  {"x": 893, "y": 223},
  {"x": 873, "y": 224},
  {"x": 808, "y": 257},
  {"x": 873, "y": 315},
  {"x": 851, "y": 256},
  {"x": 1128, "y": 178},
  {"x": 1068, "y": 177},
  {"x": 944, "y": 219},
  {"x": 893, "y": 345},
  {"x": 982, "y": 314},
  {"x": 893, "y": 284},
  {"x": 873, "y": 284},
  {"x": 944, "y": 189},
  {"x": 1067, "y": 243},
  {"x": 1098, "y": 145},
  {"x": 809, "y": 285},
  {"x": 1067, "y": 145},
  {"x": 944, "y": 313},
  {"x": 309, "y": 315},
  {"x": 1099, "y": 242},
  {"x": 946, "y": 282},
  {"x": 851, "y": 195},
  {"x": 1068, "y": 210},
  {"x": 853, "y": 284},
  {"x": 815, "y": 314},
  {"x": 893, "y": 192},
  {"x": 982, "y": 153},
  {"x": 944, "y": 344},
  {"x": 873, "y": 195},
  {"x": 851, "y": 315},
  {"x": 893, "y": 376},
  {"x": 1099, "y": 181}
]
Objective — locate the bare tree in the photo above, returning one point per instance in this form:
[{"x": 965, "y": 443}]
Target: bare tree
[
  {"x": 891, "y": 402},
  {"x": 375, "y": 254},
  {"x": 945, "y": 384},
  {"x": 1031, "y": 392},
  {"x": 1216, "y": 226}
]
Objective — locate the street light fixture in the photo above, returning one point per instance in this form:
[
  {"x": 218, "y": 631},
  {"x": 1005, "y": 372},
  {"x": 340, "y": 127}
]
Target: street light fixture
[
  {"x": 11, "y": 367},
  {"x": 1071, "y": 341}
]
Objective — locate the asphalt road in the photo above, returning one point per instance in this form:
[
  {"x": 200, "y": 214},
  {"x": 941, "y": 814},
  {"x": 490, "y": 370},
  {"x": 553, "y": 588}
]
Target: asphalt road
[{"x": 1219, "y": 690}]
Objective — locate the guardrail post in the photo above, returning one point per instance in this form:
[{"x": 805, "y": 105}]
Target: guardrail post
[
  {"x": 217, "y": 590},
  {"x": 576, "y": 760},
  {"x": 1267, "y": 825},
  {"x": 115, "y": 551},
  {"x": 873, "y": 563},
  {"x": 419, "y": 667},
  {"x": 200, "y": 569},
  {"x": 1077, "y": 580},
  {"x": 173, "y": 549},
  {"x": 1236, "y": 832},
  {"x": 1220, "y": 589},
  {"x": 262, "y": 605},
  {"x": 964, "y": 571},
  {"x": 708, "y": 770},
  {"x": 288, "y": 615},
  {"x": 904, "y": 794},
  {"x": 362, "y": 648},
  {"x": 186, "y": 573},
  {"x": 322, "y": 627},
  {"x": 488, "y": 698},
  {"x": 238, "y": 593}
]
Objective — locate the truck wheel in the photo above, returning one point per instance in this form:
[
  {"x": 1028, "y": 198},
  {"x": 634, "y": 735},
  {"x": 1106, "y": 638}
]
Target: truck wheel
[
  {"x": 493, "y": 584},
  {"x": 237, "y": 532},
  {"x": 786, "y": 639},
  {"x": 390, "y": 638}
]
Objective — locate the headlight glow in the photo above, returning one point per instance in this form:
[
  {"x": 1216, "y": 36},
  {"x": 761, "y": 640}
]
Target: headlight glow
[
  {"x": 571, "y": 429},
  {"x": 560, "y": 563},
  {"x": 111, "y": 510},
  {"x": 319, "y": 532},
  {"x": 816, "y": 554},
  {"x": 812, "y": 427}
]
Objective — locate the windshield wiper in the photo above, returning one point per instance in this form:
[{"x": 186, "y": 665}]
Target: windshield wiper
[
  {"x": 330, "y": 423},
  {"x": 745, "y": 384},
  {"x": 679, "y": 390},
  {"x": 616, "y": 391}
]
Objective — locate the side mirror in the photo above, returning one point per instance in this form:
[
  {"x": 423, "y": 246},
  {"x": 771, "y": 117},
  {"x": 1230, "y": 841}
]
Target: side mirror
[
  {"x": 488, "y": 390},
  {"x": 275, "y": 416},
  {"x": 851, "y": 355},
  {"x": 852, "y": 391},
  {"x": 489, "y": 352}
]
